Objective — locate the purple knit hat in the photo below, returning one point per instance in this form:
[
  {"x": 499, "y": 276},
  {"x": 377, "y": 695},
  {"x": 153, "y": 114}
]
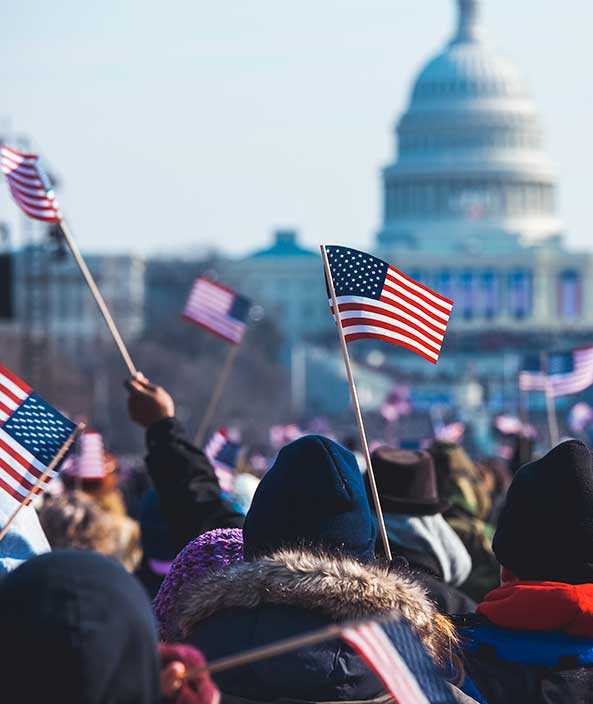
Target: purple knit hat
[{"x": 210, "y": 551}]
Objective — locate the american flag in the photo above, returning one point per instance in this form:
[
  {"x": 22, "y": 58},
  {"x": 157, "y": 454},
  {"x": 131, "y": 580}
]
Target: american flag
[
  {"x": 31, "y": 435},
  {"x": 29, "y": 185},
  {"x": 563, "y": 373},
  {"x": 218, "y": 309},
  {"x": 372, "y": 644},
  {"x": 377, "y": 300},
  {"x": 223, "y": 454}
]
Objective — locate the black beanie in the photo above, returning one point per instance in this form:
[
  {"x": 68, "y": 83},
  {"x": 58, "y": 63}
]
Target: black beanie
[
  {"x": 313, "y": 496},
  {"x": 545, "y": 530}
]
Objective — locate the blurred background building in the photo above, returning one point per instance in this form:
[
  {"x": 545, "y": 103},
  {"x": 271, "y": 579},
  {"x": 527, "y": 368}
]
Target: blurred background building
[{"x": 470, "y": 209}]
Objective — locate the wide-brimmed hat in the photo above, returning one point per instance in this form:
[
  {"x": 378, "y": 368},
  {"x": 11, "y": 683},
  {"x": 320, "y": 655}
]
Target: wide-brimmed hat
[{"x": 406, "y": 481}]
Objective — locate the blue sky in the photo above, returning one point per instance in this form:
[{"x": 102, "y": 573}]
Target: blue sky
[{"x": 177, "y": 126}]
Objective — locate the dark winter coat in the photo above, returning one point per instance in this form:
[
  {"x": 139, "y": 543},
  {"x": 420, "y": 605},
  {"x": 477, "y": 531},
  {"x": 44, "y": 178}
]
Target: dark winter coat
[
  {"x": 518, "y": 667},
  {"x": 76, "y": 629},
  {"x": 189, "y": 493},
  {"x": 435, "y": 557},
  {"x": 250, "y": 604}
]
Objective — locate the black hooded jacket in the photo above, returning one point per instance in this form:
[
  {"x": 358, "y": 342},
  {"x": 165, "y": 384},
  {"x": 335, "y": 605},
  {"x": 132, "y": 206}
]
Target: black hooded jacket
[
  {"x": 76, "y": 629},
  {"x": 189, "y": 493}
]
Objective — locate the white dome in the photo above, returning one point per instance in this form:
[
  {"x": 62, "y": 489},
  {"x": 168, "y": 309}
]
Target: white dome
[{"x": 469, "y": 142}]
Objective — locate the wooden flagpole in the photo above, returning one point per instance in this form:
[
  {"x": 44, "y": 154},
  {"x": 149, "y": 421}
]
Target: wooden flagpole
[
  {"x": 38, "y": 484},
  {"x": 550, "y": 403},
  {"x": 88, "y": 277},
  {"x": 356, "y": 404},
  {"x": 217, "y": 394},
  {"x": 269, "y": 651},
  {"x": 283, "y": 646}
]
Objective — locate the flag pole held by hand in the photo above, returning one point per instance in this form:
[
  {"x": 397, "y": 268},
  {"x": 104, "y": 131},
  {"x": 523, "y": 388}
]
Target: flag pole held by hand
[
  {"x": 216, "y": 394},
  {"x": 356, "y": 405},
  {"x": 32, "y": 191},
  {"x": 36, "y": 489},
  {"x": 88, "y": 277}
]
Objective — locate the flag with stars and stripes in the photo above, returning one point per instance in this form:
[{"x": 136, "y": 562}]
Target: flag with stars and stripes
[
  {"x": 217, "y": 309},
  {"x": 223, "y": 454},
  {"x": 376, "y": 300},
  {"x": 29, "y": 185},
  {"x": 31, "y": 435},
  {"x": 561, "y": 373}
]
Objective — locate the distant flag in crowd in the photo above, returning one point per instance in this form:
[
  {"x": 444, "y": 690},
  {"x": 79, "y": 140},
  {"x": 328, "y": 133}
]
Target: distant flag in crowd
[
  {"x": 370, "y": 641},
  {"x": 31, "y": 435},
  {"x": 217, "y": 309},
  {"x": 29, "y": 185},
  {"x": 376, "y": 300},
  {"x": 565, "y": 373},
  {"x": 580, "y": 417},
  {"x": 223, "y": 454}
]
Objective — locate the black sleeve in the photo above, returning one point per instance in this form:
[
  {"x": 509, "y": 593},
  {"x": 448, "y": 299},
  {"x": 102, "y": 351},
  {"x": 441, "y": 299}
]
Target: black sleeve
[{"x": 186, "y": 483}]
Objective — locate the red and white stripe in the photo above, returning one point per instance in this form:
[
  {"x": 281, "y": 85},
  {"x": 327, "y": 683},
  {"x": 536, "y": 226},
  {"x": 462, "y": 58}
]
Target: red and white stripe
[
  {"x": 208, "y": 306},
  {"x": 407, "y": 313},
  {"x": 573, "y": 382},
  {"x": 13, "y": 392},
  {"x": 372, "y": 644},
  {"x": 29, "y": 185},
  {"x": 19, "y": 470}
]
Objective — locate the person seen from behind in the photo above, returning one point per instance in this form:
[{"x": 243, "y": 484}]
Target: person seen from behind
[{"x": 531, "y": 641}]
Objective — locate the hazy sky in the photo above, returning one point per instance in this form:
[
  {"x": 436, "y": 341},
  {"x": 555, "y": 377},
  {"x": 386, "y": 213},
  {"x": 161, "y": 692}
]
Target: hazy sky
[{"x": 183, "y": 124}]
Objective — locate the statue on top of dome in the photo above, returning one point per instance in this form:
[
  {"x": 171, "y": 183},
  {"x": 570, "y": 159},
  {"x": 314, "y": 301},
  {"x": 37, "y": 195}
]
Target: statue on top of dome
[{"x": 468, "y": 28}]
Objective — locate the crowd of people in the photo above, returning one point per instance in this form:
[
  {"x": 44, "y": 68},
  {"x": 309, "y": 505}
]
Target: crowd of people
[{"x": 122, "y": 588}]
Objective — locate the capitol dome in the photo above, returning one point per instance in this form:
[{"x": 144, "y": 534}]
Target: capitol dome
[{"x": 470, "y": 169}]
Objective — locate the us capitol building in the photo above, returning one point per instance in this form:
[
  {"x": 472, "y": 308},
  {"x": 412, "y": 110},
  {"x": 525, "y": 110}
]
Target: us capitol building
[{"x": 470, "y": 209}]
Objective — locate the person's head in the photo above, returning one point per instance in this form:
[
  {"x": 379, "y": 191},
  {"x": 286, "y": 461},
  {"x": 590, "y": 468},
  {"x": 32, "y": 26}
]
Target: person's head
[
  {"x": 406, "y": 482},
  {"x": 75, "y": 520},
  {"x": 77, "y": 629},
  {"x": 545, "y": 529},
  {"x": 314, "y": 497},
  {"x": 211, "y": 551},
  {"x": 458, "y": 478}
]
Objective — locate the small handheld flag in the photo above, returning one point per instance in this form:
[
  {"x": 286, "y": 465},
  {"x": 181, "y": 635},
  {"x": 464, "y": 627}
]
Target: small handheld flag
[
  {"x": 558, "y": 373},
  {"x": 376, "y": 300},
  {"x": 29, "y": 185},
  {"x": 31, "y": 435},
  {"x": 32, "y": 192},
  {"x": 218, "y": 309},
  {"x": 392, "y": 651},
  {"x": 223, "y": 454}
]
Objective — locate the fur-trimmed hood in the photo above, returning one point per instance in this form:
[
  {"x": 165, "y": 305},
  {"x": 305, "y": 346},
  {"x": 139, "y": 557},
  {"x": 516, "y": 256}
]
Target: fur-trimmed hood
[{"x": 339, "y": 589}]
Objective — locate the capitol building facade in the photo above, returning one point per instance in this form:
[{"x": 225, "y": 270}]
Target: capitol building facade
[{"x": 470, "y": 209}]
